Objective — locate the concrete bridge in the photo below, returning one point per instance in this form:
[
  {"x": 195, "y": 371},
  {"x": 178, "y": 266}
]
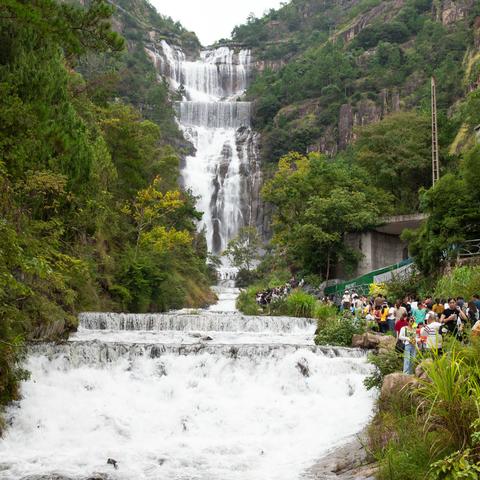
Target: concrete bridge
[{"x": 381, "y": 246}]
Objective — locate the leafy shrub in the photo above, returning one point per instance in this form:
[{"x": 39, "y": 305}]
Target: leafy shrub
[
  {"x": 247, "y": 303},
  {"x": 300, "y": 304},
  {"x": 461, "y": 282},
  {"x": 324, "y": 313},
  {"x": 338, "y": 331},
  {"x": 451, "y": 393},
  {"x": 410, "y": 452},
  {"x": 385, "y": 363},
  {"x": 245, "y": 278}
]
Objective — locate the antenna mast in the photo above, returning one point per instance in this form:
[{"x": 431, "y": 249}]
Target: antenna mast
[{"x": 435, "y": 161}]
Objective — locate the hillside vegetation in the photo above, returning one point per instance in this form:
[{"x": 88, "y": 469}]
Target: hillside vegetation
[
  {"x": 331, "y": 67},
  {"x": 91, "y": 215},
  {"x": 350, "y": 80}
]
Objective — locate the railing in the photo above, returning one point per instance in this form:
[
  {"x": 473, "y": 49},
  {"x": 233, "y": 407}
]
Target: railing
[{"x": 469, "y": 248}]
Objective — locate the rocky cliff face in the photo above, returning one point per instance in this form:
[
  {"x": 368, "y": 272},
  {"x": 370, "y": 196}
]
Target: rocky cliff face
[
  {"x": 327, "y": 125},
  {"x": 450, "y": 11}
]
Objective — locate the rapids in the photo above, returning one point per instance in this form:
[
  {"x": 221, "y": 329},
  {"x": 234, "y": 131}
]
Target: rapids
[
  {"x": 190, "y": 395},
  {"x": 186, "y": 395}
]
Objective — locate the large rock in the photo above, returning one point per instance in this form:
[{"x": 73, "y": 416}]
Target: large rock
[
  {"x": 420, "y": 370},
  {"x": 370, "y": 340},
  {"x": 386, "y": 343},
  {"x": 394, "y": 383}
]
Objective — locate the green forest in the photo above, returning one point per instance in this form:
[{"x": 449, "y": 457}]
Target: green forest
[
  {"x": 91, "y": 215},
  {"x": 343, "y": 100}
]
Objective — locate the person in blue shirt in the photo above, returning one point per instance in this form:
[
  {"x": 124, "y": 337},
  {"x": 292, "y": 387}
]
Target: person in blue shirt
[
  {"x": 419, "y": 314},
  {"x": 476, "y": 301}
]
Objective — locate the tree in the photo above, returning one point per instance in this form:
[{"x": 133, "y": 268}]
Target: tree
[
  {"x": 396, "y": 153},
  {"x": 316, "y": 203},
  {"x": 243, "y": 250},
  {"x": 453, "y": 209}
]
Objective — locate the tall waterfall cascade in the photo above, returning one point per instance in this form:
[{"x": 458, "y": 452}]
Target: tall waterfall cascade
[
  {"x": 190, "y": 395},
  {"x": 185, "y": 395},
  {"x": 224, "y": 172}
]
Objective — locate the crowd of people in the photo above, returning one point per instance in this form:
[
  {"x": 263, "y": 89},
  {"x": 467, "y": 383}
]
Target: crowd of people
[
  {"x": 418, "y": 325},
  {"x": 272, "y": 295}
]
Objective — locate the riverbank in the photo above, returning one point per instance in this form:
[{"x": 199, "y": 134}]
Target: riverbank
[{"x": 349, "y": 461}]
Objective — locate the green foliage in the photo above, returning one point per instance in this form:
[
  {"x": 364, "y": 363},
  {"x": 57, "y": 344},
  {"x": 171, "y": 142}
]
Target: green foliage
[
  {"x": 409, "y": 455},
  {"x": 316, "y": 202},
  {"x": 450, "y": 395},
  {"x": 324, "y": 313},
  {"x": 461, "y": 464},
  {"x": 328, "y": 57},
  {"x": 85, "y": 221},
  {"x": 414, "y": 285},
  {"x": 385, "y": 362},
  {"x": 246, "y": 301},
  {"x": 453, "y": 208},
  {"x": 396, "y": 154},
  {"x": 300, "y": 304},
  {"x": 243, "y": 250},
  {"x": 460, "y": 282},
  {"x": 338, "y": 331},
  {"x": 433, "y": 431}
]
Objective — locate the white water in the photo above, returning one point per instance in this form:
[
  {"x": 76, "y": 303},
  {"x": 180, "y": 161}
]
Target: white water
[
  {"x": 210, "y": 117},
  {"x": 209, "y": 395},
  {"x": 156, "y": 394}
]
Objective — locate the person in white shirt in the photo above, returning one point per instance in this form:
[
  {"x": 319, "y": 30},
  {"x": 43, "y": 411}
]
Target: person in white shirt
[
  {"x": 408, "y": 336},
  {"x": 432, "y": 332},
  {"x": 391, "y": 318}
]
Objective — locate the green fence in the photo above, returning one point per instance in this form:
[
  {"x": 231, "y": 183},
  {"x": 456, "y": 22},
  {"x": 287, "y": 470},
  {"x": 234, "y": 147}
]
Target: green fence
[{"x": 361, "y": 284}]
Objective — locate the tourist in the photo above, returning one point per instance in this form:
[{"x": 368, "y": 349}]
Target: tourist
[
  {"x": 452, "y": 318},
  {"x": 472, "y": 313},
  {"x": 391, "y": 318},
  {"x": 438, "y": 307},
  {"x": 400, "y": 311},
  {"x": 399, "y": 324},
  {"x": 378, "y": 302},
  {"x": 408, "y": 336},
  {"x": 432, "y": 333},
  {"x": 419, "y": 314},
  {"x": 476, "y": 301},
  {"x": 383, "y": 324},
  {"x": 346, "y": 300},
  {"x": 377, "y": 315}
]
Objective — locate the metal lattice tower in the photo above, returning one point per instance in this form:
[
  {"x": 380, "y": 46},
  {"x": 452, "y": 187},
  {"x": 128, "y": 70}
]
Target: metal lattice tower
[{"x": 435, "y": 161}]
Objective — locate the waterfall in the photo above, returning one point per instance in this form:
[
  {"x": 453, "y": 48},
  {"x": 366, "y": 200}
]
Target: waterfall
[
  {"x": 190, "y": 395},
  {"x": 183, "y": 395},
  {"x": 224, "y": 172}
]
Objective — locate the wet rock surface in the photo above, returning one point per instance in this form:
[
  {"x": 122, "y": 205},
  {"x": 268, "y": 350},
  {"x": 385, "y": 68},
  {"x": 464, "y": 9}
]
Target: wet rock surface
[{"x": 347, "y": 462}]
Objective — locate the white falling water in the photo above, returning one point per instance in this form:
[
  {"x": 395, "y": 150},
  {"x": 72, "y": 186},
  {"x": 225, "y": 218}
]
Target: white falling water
[
  {"x": 213, "y": 120},
  {"x": 204, "y": 396},
  {"x": 190, "y": 395}
]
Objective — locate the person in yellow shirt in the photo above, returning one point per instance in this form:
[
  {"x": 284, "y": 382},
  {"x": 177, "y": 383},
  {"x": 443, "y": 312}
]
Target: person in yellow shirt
[{"x": 438, "y": 307}]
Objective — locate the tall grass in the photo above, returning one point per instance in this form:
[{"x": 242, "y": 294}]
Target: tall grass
[
  {"x": 450, "y": 395},
  {"x": 300, "y": 304},
  {"x": 461, "y": 282}
]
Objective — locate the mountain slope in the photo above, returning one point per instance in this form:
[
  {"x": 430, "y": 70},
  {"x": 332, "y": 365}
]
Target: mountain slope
[{"x": 337, "y": 65}]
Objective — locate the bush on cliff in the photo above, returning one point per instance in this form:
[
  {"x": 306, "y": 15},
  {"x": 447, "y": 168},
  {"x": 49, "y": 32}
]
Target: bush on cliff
[{"x": 338, "y": 331}]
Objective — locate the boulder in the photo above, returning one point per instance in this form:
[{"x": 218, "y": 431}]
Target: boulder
[
  {"x": 386, "y": 343},
  {"x": 396, "y": 382},
  {"x": 370, "y": 340},
  {"x": 420, "y": 370},
  {"x": 365, "y": 340}
]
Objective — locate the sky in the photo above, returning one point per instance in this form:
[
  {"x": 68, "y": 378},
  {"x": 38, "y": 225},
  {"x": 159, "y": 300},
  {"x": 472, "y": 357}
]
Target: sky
[{"x": 212, "y": 20}]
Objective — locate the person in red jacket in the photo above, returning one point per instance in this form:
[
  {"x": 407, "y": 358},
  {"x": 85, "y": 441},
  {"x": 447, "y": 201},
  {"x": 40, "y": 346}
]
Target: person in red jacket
[{"x": 403, "y": 322}]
